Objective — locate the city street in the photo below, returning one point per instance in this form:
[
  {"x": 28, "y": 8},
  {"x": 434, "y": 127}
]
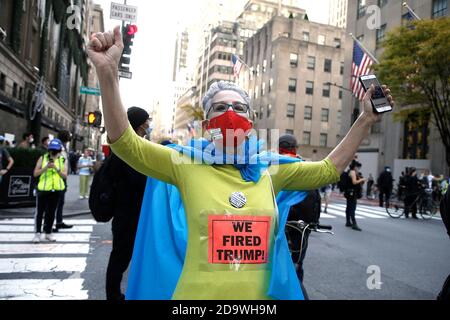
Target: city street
[{"x": 412, "y": 255}]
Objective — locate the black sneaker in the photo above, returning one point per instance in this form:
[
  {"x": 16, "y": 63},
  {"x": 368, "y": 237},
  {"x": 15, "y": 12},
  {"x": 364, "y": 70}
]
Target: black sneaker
[
  {"x": 348, "y": 224},
  {"x": 63, "y": 226},
  {"x": 355, "y": 227},
  {"x": 55, "y": 229}
]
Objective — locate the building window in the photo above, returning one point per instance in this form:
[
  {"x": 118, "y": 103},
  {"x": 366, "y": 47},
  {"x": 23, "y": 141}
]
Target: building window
[
  {"x": 321, "y": 39},
  {"x": 327, "y": 65},
  {"x": 325, "y": 115},
  {"x": 292, "y": 85},
  {"x": 311, "y": 63},
  {"x": 361, "y": 9},
  {"x": 14, "y": 90},
  {"x": 309, "y": 87},
  {"x": 306, "y": 137},
  {"x": 308, "y": 113},
  {"x": 382, "y": 3},
  {"x": 269, "y": 110},
  {"x": 290, "y": 111},
  {"x": 261, "y": 112},
  {"x": 270, "y": 84},
  {"x": 293, "y": 58},
  {"x": 272, "y": 60},
  {"x": 342, "y": 68},
  {"x": 289, "y": 131},
  {"x": 256, "y": 92},
  {"x": 380, "y": 34},
  {"x": 2, "y": 82},
  {"x": 440, "y": 8},
  {"x": 306, "y": 36},
  {"x": 323, "y": 139},
  {"x": 263, "y": 89},
  {"x": 264, "y": 67},
  {"x": 337, "y": 43},
  {"x": 341, "y": 94},
  {"x": 326, "y": 90},
  {"x": 339, "y": 117},
  {"x": 21, "y": 94}
]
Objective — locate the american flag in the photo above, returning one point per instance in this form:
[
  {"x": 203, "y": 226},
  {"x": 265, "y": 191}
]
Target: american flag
[
  {"x": 360, "y": 67},
  {"x": 237, "y": 65}
]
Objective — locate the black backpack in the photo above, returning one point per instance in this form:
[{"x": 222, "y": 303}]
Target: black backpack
[
  {"x": 344, "y": 182},
  {"x": 101, "y": 196}
]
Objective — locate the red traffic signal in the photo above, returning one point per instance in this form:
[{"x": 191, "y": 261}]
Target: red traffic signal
[{"x": 132, "y": 29}]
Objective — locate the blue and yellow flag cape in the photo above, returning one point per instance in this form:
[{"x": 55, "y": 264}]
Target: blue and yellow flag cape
[{"x": 161, "y": 239}]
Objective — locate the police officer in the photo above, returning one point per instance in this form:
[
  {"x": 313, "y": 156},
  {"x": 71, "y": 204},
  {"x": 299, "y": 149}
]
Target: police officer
[
  {"x": 52, "y": 171},
  {"x": 412, "y": 189}
]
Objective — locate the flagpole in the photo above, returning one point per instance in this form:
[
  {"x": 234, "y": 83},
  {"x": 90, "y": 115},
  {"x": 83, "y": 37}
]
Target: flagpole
[
  {"x": 243, "y": 62},
  {"x": 364, "y": 48},
  {"x": 411, "y": 11}
]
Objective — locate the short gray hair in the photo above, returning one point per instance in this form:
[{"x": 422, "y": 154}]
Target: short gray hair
[{"x": 216, "y": 87}]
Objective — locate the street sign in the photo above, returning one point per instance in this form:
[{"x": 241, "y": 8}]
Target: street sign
[
  {"x": 125, "y": 74},
  {"x": 123, "y": 12},
  {"x": 91, "y": 91}
]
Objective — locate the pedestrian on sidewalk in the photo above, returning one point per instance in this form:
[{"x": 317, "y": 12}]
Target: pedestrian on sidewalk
[
  {"x": 51, "y": 170},
  {"x": 370, "y": 183},
  {"x": 85, "y": 167},
  {"x": 129, "y": 186},
  {"x": 5, "y": 157},
  {"x": 65, "y": 137},
  {"x": 352, "y": 194}
]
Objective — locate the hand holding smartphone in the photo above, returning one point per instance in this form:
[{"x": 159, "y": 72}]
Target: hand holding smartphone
[{"x": 379, "y": 101}]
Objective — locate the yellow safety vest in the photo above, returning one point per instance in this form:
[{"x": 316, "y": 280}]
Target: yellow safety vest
[{"x": 50, "y": 180}]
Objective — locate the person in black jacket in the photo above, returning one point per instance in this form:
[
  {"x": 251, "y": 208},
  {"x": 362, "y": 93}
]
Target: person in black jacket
[
  {"x": 444, "y": 295},
  {"x": 129, "y": 187},
  {"x": 352, "y": 194},
  {"x": 412, "y": 189},
  {"x": 385, "y": 186}
]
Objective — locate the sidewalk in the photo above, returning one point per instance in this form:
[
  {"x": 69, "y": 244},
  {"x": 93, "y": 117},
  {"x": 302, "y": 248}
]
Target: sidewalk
[{"x": 73, "y": 206}]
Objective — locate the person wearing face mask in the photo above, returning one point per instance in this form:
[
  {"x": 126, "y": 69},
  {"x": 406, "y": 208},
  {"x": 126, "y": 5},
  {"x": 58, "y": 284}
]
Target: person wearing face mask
[
  {"x": 52, "y": 171},
  {"x": 218, "y": 233},
  {"x": 129, "y": 188},
  {"x": 27, "y": 141}
]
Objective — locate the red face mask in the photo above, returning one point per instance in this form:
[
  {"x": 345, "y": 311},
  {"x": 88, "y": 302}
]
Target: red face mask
[{"x": 230, "y": 120}]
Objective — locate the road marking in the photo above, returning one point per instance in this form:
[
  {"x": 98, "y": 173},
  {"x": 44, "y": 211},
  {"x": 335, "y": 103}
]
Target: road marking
[
  {"x": 60, "y": 237},
  {"x": 339, "y": 213},
  {"x": 47, "y": 264},
  {"x": 30, "y": 228},
  {"x": 43, "y": 248},
  {"x": 31, "y": 221},
  {"x": 363, "y": 212},
  {"x": 42, "y": 289}
]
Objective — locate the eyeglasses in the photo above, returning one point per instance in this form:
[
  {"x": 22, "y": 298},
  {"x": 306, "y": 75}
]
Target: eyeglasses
[{"x": 237, "y": 106}]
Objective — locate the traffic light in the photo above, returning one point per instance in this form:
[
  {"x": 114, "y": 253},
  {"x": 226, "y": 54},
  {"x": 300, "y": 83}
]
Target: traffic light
[
  {"x": 95, "y": 118},
  {"x": 128, "y": 33}
]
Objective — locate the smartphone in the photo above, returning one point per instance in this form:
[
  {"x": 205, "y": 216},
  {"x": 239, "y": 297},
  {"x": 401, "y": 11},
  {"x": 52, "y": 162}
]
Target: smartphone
[{"x": 379, "y": 101}]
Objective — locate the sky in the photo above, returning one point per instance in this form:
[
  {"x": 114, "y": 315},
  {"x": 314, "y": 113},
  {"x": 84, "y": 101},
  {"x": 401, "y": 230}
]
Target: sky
[{"x": 153, "y": 49}]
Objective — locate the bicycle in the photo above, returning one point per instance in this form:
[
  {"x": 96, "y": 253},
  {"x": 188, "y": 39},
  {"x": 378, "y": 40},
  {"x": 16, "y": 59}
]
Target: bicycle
[
  {"x": 303, "y": 227},
  {"x": 427, "y": 209}
]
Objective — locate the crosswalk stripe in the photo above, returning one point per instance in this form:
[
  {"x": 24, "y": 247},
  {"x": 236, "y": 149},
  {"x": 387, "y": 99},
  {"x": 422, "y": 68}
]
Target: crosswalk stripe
[
  {"x": 363, "y": 213},
  {"x": 42, "y": 289},
  {"x": 60, "y": 237},
  {"x": 30, "y": 228},
  {"x": 327, "y": 216},
  {"x": 339, "y": 213},
  {"x": 28, "y": 265},
  {"x": 31, "y": 221},
  {"x": 363, "y": 208},
  {"x": 44, "y": 248}
]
